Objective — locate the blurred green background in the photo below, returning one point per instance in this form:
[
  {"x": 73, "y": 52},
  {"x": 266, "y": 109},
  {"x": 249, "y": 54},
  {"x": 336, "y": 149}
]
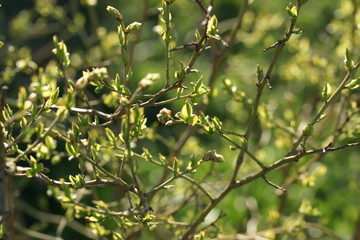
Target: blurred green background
[{"x": 308, "y": 61}]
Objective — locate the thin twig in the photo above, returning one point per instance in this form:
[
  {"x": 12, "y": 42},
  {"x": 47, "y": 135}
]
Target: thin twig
[{"x": 273, "y": 184}]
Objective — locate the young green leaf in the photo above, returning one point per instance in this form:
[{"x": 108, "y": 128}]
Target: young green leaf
[
  {"x": 349, "y": 63},
  {"x": 292, "y": 11},
  {"x": 110, "y": 135}
]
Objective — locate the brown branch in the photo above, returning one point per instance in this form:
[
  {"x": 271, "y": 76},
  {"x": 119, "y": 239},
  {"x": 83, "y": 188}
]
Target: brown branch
[
  {"x": 126, "y": 213},
  {"x": 254, "y": 176},
  {"x": 273, "y": 184},
  {"x": 289, "y": 159},
  {"x": 201, "y": 6},
  {"x": 42, "y": 178},
  {"x": 53, "y": 218}
]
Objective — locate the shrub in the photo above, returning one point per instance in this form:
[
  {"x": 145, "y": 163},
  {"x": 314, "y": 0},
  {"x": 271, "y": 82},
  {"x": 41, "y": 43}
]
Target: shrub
[{"x": 187, "y": 119}]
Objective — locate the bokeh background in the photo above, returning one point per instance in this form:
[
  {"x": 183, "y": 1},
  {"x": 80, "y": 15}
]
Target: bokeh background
[{"x": 308, "y": 61}]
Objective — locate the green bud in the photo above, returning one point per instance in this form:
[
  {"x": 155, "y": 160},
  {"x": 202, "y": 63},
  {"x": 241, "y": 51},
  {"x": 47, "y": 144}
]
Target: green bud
[
  {"x": 353, "y": 84},
  {"x": 349, "y": 63},
  {"x": 308, "y": 130},
  {"x": 326, "y": 92},
  {"x": 259, "y": 73},
  {"x": 164, "y": 115},
  {"x": 121, "y": 35}
]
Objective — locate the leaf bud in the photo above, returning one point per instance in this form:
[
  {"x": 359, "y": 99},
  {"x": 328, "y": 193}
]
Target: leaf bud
[
  {"x": 133, "y": 27},
  {"x": 164, "y": 116},
  {"x": 115, "y": 13}
]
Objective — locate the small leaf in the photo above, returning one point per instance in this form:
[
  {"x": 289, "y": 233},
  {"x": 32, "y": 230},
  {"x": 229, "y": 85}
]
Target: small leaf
[
  {"x": 353, "y": 84},
  {"x": 94, "y": 153},
  {"x": 71, "y": 149},
  {"x": 212, "y": 26},
  {"x": 217, "y": 123},
  {"x": 349, "y": 63},
  {"x": 1, "y": 44},
  {"x": 162, "y": 159},
  {"x": 187, "y": 109},
  {"x": 54, "y": 96},
  {"x": 292, "y": 11},
  {"x": 61, "y": 51},
  {"x": 146, "y": 153},
  {"x": 197, "y": 35},
  {"x": 110, "y": 135},
  {"x": 121, "y": 35}
]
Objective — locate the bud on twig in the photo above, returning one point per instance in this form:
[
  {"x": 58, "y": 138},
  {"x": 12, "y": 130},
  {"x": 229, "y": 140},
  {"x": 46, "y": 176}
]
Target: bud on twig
[{"x": 115, "y": 13}]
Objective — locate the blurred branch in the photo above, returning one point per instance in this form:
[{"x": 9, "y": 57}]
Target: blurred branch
[
  {"x": 53, "y": 218},
  {"x": 34, "y": 234}
]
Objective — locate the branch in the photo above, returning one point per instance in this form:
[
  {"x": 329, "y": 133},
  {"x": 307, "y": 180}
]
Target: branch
[
  {"x": 53, "y": 218},
  {"x": 126, "y": 213},
  {"x": 326, "y": 104},
  {"x": 273, "y": 184},
  {"x": 289, "y": 159}
]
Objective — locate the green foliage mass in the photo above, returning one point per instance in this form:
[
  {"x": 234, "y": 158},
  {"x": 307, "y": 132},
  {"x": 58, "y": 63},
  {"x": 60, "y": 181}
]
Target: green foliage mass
[{"x": 164, "y": 119}]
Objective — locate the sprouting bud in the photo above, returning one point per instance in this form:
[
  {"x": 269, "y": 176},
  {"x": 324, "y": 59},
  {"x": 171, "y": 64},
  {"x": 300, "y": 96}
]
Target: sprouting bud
[
  {"x": 148, "y": 80},
  {"x": 115, "y": 13},
  {"x": 292, "y": 11},
  {"x": 122, "y": 35},
  {"x": 212, "y": 26},
  {"x": 81, "y": 83},
  {"x": 164, "y": 116},
  {"x": 349, "y": 63},
  {"x": 95, "y": 75},
  {"x": 308, "y": 130},
  {"x": 259, "y": 73},
  {"x": 133, "y": 27},
  {"x": 61, "y": 51},
  {"x": 212, "y": 156}
]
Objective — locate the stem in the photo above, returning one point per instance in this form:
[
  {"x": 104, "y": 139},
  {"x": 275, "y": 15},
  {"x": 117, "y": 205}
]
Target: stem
[{"x": 167, "y": 43}]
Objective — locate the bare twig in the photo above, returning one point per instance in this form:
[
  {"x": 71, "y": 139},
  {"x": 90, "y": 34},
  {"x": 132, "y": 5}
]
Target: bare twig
[{"x": 273, "y": 184}]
